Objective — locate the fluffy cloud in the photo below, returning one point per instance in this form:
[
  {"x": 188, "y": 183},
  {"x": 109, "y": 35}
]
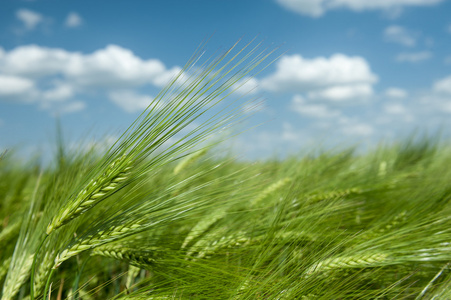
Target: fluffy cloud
[
  {"x": 395, "y": 93},
  {"x": 356, "y": 128},
  {"x": 248, "y": 86},
  {"x": 115, "y": 66},
  {"x": 337, "y": 78},
  {"x": 14, "y": 86},
  {"x": 343, "y": 92},
  {"x": 400, "y": 35},
  {"x": 295, "y": 73},
  {"x": 60, "y": 92},
  {"x": 66, "y": 74},
  {"x": 35, "y": 61},
  {"x": 73, "y": 20},
  {"x": 112, "y": 66},
  {"x": 72, "y": 107},
  {"x": 301, "y": 106},
  {"x": 63, "y": 108},
  {"x": 395, "y": 108},
  {"x": 289, "y": 133},
  {"x": 398, "y": 111},
  {"x": 130, "y": 101},
  {"x": 313, "y": 8},
  {"x": 413, "y": 57},
  {"x": 316, "y": 8},
  {"x": 29, "y": 18},
  {"x": 443, "y": 86}
]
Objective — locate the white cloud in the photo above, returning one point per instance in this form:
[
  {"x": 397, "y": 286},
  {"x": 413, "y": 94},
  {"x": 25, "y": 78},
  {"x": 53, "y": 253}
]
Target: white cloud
[
  {"x": 111, "y": 67},
  {"x": 72, "y": 107},
  {"x": 301, "y": 106},
  {"x": 446, "y": 106},
  {"x": 60, "y": 92},
  {"x": 73, "y": 20},
  {"x": 360, "y": 129},
  {"x": 130, "y": 101},
  {"x": 443, "y": 86},
  {"x": 289, "y": 133},
  {"x": 248, "y": 86},
  {"x": 343, "y": 92},
  {"x": 413, "y": 57},
  {"x": 400, "y": 35},
  {"x": 395, "y": 108},
  {"x": 36, "y": 61},
  {"x": 316, "y": 8},
  {"x": 27, "y": 69},
  {"x": 114, "y": 67},
  {"x": 396, "y": 93},
  {"x": 298, "y": 74},
  {"x": 253, "y": 106},
  {"x": 360, "y": 5},
  {"x": 338, "y": 78},
  {"x": 397, "y": 112},
  {"x": 313, "y": 8},
  {"x": 63, "y": 108},
  {"x": 356, "y": 128},
  {"x": 29, "y": 18},
  {"x": 15, "y": 86}
]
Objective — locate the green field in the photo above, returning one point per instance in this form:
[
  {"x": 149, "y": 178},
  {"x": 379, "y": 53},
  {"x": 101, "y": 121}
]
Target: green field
[{"x": 160, "y": 215}]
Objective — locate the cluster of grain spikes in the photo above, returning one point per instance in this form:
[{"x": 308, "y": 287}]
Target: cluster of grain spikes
[
  {"x": 97, "y": 189},
  {"x": 144, "y": 148},
  {"x": 293, "y": 236}
]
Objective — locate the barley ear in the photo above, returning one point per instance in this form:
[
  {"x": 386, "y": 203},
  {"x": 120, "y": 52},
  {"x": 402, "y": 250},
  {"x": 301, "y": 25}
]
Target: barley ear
[
  {"x": 17, "y": 277},
  {"x": 273, "y": 188},
  {"x": 189, "y": 160},
  {"x": 137, "y": 258},
  {"x": 99, "y": 238},
  {"x": 355, "y": 261},
  {"x": 94, "y": 192},
  {"x": 4, "y": 268}
]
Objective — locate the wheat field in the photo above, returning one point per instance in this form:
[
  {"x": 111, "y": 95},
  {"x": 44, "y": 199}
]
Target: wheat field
[{"x": 160, "y": 215}]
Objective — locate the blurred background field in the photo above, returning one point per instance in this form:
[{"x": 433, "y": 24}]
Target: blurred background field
[{"x": 327, "y": 225}]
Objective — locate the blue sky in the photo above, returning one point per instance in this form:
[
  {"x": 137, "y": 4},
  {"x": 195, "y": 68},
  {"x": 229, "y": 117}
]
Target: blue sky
[{"x": 354, "y": 71}]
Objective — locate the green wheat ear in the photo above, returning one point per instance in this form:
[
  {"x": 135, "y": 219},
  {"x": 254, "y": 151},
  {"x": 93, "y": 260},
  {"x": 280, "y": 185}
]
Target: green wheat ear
[{"x": 95, "y": 191}]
